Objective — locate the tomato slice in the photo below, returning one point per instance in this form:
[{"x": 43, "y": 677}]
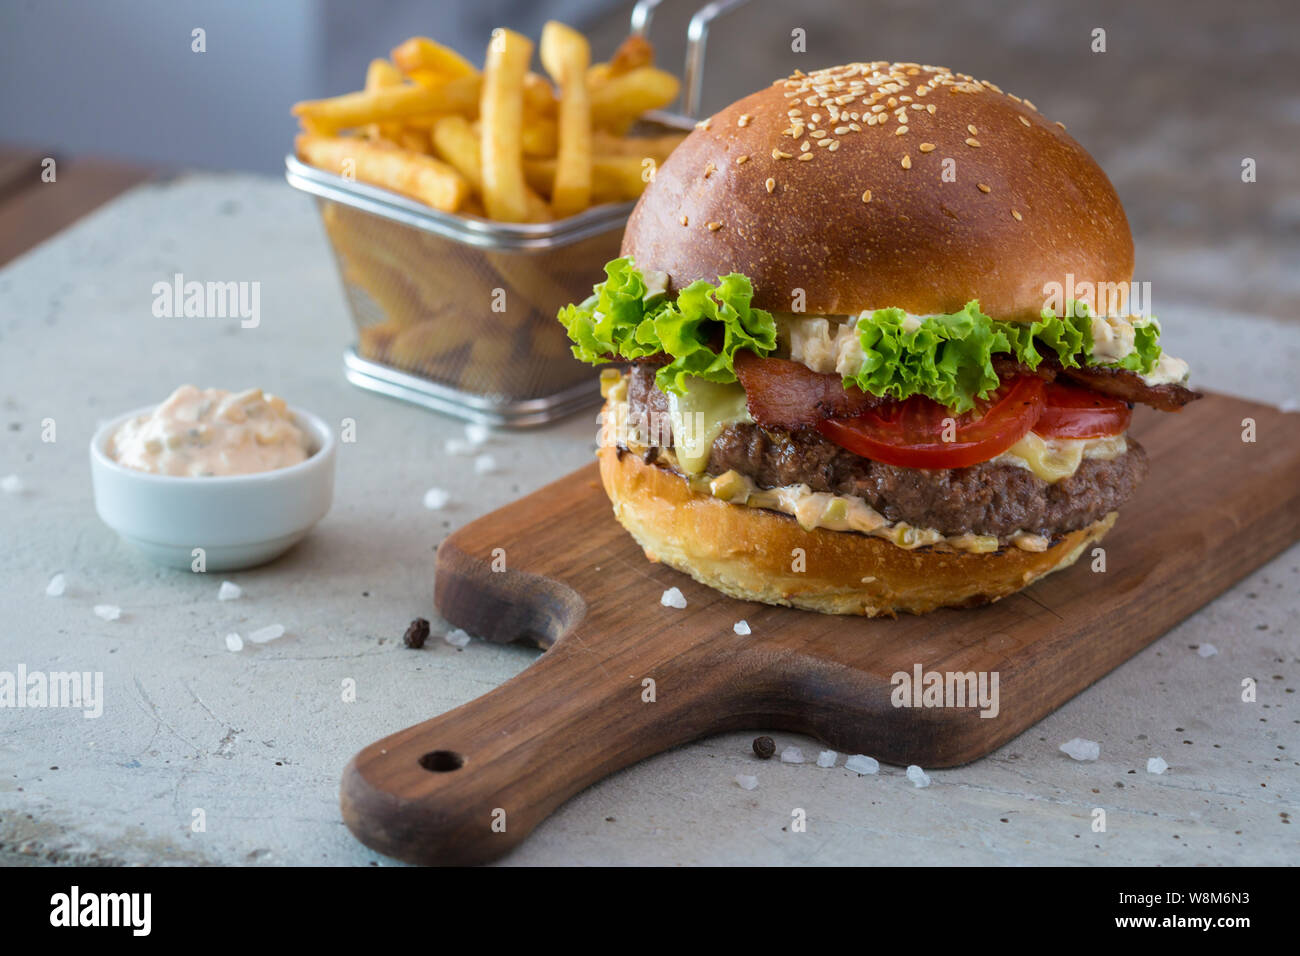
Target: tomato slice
[
  {"x": 1074, "y": 412},
  {"x": 911, "y": 433}
]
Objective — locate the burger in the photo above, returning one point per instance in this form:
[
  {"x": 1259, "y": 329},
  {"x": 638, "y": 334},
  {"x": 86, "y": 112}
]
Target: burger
[{"x": 880, "y": 347}]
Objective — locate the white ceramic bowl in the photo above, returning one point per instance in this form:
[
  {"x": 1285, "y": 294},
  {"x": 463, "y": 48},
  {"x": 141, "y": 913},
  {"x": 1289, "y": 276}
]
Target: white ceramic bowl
[{"x": 239, "y": 520}]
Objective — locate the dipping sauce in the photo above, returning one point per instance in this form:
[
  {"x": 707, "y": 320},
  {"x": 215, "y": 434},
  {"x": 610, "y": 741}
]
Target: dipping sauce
[{"x": 208, "y": 432}]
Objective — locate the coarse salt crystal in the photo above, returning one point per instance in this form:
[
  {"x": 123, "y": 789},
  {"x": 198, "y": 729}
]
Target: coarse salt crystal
[
  {"x": 457, "y": 446},
  {"x": 742, "y": 628},
  {"x": 918, "y": 776},
  {"x": 108, "y": 612},
  {"x": 485, "y": 464},
  {"x": 58, "y": 584},
  {"x": 746, "y": 781},
  {"x": 476, "y": 433},
  {"x": 234, "y": 642},
  {"x": 268, "y": 633},
  {"x": 1081, "y": 749},
  {"x": 826, "y": 758},
  {"x": 11, "y": 484},
  {"x": 1156, "y": 765},
  {"x": 673, "y": 597},
  {"x": 862, "y": 764},
  {"x": 791, "y": 755},
  {"x": 1207, "y": 650},
  {"x": 456, "y": 637},
  {"x": 229, "y": 591},
  {"x": 436, "y": 498}
]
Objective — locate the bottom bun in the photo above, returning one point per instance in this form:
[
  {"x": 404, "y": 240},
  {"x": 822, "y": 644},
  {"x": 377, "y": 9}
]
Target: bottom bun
[{"x": 750, "y": 553}]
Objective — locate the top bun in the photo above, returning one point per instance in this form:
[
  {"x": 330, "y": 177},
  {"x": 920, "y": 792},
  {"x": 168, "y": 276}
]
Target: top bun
[{"x": 1022, "y": 204}]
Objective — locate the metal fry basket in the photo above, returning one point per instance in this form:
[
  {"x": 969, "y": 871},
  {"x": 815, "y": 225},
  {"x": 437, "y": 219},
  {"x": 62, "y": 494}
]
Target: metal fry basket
[{"x": 457, "y": 313}]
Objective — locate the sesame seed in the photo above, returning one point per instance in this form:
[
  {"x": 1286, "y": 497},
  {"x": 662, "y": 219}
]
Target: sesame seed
[
  {"x": 982, "y": 188},
  {"x": 704, "y": 123},
  {"x": 907, "y": 162},
  {"x": 877, "y": 108},
  {"x": 971, "y": 129},
  {"x": 930, "y": 109},
  {"x": 805, "y": 146},
  {"x": 709, "y": 169},
  {"x": 744, "y": 119},
  {"x": 817, "y": 133},
  {"x": 900, "y": 131},
  {"x": 714, "y": 226},
  {"x": 825, "y": 142},
  {"x": 834, "y": 144},
  {"x": 1016, "y": 215},
  {"x": 777, "y": 154},
  {"x": 1060, "y": 124},
  {"x": 742, "y": 160},
  {"x": 770, "y": 184},
  {"x": 866, "y": 196},
  {"x": 918, "y": 106},
  {"x": 892, "y": 102},
  {"x": 805, "y": 156},
  {"x": 841, "y": 130},
  {"x": 685, "y": 221},
  {"x": 927, "y": 147},
  {"x": 972, "y": 141},
  {"x": 1031, "y": 106},
  {"x": 1023, "y": 120}
]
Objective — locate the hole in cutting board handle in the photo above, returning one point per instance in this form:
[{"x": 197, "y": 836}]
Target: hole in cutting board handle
[{"x": 442, "y": 761}]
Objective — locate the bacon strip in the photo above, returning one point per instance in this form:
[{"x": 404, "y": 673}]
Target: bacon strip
[
  {"x": 785, "y": 394},
  {"x": 1121, "y": 383},
  {"x": 1128, "y": 386}
]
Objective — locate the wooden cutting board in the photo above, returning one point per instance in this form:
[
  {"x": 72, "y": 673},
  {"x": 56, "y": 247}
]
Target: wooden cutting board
[{"x": 467, "y": 786}]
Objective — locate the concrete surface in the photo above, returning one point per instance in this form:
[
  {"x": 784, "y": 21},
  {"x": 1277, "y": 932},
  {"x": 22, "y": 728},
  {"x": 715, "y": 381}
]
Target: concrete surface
[{"x": 257, "y": 739}]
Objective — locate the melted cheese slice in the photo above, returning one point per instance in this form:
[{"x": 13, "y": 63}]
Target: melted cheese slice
[
  {"x": 1055, "y": 459},
  {"x": 699, "y": 416}
]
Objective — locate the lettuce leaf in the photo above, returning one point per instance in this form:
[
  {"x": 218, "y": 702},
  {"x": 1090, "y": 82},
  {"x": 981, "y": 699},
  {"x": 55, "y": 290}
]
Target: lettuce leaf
[
  {"x": 621, "y": 320},
  {"x": 948, "y": 358}
]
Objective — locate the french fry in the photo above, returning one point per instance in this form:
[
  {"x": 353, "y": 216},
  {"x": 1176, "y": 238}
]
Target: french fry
[
  {"x": 539, "y": 137},
  {"x": 656, "y": 147},
  {"x": 502, "y": 112},
  {"x": 424, "y": 178},
  {"x": 414, "y": 140},
  {"x": 613, "y": 178},
  {"x": 428, "y": 62},
  {"x": 382, "y": 74},
  {"x": 566, "y": 55},
  {"x": 455, "y": 142},
  {"x": 389, "y": 103},
  {"x": 635, "y": 51},
  {"x": 539, "y": 96},
  {"x": 617, "y": 102}
]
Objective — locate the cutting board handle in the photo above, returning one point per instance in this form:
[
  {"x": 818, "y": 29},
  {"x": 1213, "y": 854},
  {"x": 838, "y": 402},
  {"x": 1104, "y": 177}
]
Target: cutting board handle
[{"x": 469, "y": 785}]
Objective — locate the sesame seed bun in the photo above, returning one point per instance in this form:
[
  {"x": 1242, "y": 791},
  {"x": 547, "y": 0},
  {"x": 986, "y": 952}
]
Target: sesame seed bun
[
  {"x": 869, "y": 221},
  {"x": 747, "y": 552}
]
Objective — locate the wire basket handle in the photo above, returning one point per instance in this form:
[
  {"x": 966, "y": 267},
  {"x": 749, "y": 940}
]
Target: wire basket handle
[{"x": 697, "y": 35}]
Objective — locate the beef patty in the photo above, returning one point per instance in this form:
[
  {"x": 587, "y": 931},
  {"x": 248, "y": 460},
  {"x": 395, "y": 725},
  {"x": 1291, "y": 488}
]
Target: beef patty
[{"x": 986, "y": 498}]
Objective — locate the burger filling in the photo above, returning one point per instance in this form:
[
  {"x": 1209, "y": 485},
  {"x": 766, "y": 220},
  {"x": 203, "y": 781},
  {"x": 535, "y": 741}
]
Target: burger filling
[{"x": 953, "y": 430}]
